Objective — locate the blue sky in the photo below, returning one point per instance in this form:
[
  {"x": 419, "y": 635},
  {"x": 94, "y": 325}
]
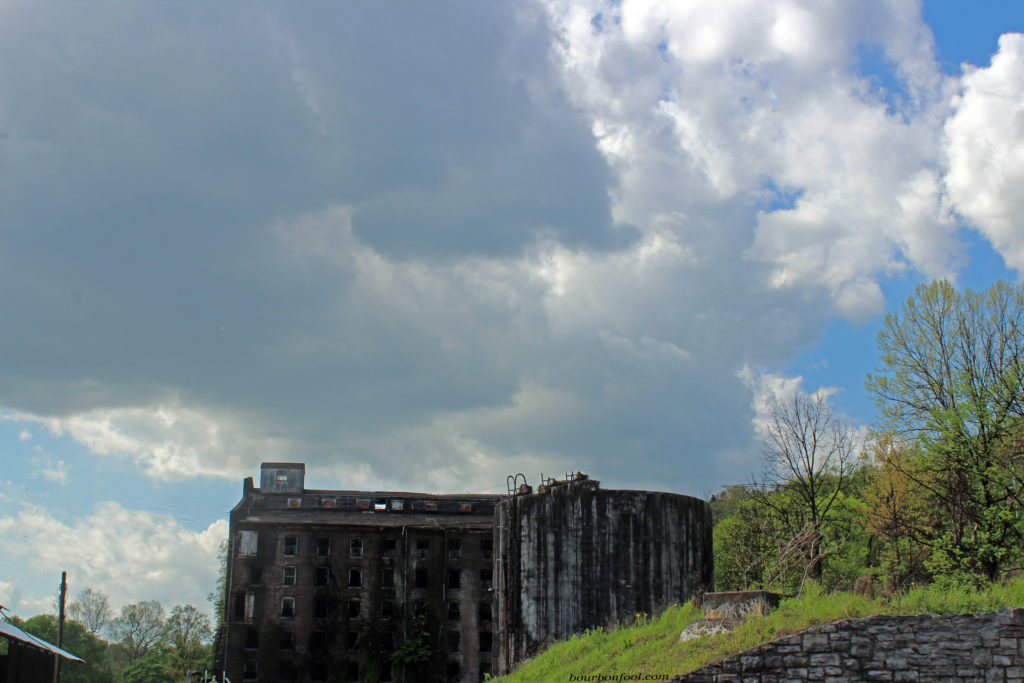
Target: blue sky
[{"x": 427, "y": 246}]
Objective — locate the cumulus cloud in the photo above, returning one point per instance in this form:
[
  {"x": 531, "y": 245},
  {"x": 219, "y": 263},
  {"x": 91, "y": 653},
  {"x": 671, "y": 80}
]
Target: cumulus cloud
[
  {"x": 167, "y": 441},
  {"x": 985, "y": 143},
  {"x": 129, "y": 554},
  {"x": 751, "y": 126},
  {"x": 436, "y": 245}
]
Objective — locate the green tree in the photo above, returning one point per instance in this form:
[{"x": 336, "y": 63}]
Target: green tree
[
  {"x": 139, "y": 627},
  {"x": 809, "y": 458},
  {"x": 153, "y": 667},
  {"x": 186, "y": 633},
  {"x": 217, "y": 601},
  {"x": 952, "y": 376},
  {"x": 743, "y": 549},
  {"x": 78, "y": 642}
]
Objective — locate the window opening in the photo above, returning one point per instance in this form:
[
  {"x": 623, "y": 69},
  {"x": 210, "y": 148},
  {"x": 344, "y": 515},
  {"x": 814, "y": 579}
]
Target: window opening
[
  {"x": 252, "y": 639},
  {"x": 287, "y": 607},
  {"x": 321, "y": 577},
  {"x": 454, "y": 579},
  {"x": 291, "y": 545},
  {"x": 355, "y": 577},
  {"x": 288, "y": 578},
  {"x": 355, "y": 548},
  {"x": 323, "y": 547}
]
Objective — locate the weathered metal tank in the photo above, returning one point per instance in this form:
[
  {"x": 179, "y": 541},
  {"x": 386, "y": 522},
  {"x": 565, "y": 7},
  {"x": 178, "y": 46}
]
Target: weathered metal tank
[{"x": 573, "y": 556}]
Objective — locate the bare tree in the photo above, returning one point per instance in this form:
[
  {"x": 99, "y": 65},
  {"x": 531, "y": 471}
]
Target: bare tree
[
  {"x": 808, "y": 457},
  {"x": 139, "y": 627},
  {"x": 91, "y": 610}
]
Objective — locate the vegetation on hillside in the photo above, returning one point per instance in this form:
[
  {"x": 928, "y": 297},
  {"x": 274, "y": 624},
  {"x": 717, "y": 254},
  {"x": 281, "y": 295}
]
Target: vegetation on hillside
[{"x": 650, "y": 645}]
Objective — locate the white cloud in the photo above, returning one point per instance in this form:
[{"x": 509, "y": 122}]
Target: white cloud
[
  {"x": 985, "y": 143},
  {"x": 699, "y": 108},
  {"x": 768, "y": 388},
  {"x": 167, "y": 441},
  {"x": 131, "y": 555},
  {"x": 50, "y": 468},
  {"x": 24, "y": 435}
]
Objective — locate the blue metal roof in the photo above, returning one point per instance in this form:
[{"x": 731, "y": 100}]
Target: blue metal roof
[{"x": 12, "y": 631}]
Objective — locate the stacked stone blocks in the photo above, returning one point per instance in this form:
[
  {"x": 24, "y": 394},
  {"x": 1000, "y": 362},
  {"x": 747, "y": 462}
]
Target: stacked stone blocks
[{"x": 958, "y": 648}]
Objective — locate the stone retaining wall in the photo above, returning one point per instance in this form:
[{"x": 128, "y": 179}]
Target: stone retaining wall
[{"x": 962, "y": 647}]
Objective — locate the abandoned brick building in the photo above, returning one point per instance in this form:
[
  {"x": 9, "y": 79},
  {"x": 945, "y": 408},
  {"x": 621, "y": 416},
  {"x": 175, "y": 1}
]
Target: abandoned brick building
[{"x": 411, "y": 587}]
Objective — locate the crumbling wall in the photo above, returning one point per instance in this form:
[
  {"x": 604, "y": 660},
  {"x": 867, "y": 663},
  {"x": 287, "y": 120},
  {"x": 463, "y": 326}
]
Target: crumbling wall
[
  {"x": 962, "y": 647},
  {"x": 576, "y": 557}
]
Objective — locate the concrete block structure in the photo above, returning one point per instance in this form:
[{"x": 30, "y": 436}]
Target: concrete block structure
[{"x": 413, "y": 587}]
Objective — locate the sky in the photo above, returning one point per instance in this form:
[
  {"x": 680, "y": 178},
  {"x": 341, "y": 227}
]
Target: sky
[{"x": 424, "y": 246}]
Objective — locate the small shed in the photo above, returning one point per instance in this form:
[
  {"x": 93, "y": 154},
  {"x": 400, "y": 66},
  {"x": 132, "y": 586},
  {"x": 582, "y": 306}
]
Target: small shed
[{"x": 29, "y": 659}]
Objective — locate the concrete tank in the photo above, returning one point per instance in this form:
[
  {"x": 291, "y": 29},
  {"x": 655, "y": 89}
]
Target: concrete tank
[{"x": 573, "y": 556}]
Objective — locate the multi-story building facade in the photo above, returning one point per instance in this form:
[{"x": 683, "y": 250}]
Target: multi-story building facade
[
  {"x": 420, "y": 588},
  {"x": 356, "y": 585}
]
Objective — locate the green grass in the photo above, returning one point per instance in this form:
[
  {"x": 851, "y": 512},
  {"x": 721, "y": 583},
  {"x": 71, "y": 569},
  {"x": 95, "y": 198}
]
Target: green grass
[{"x": 649, "y": 645}]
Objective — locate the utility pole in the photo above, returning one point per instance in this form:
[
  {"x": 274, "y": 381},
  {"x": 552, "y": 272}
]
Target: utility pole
[{"x": 60, "y": 625}]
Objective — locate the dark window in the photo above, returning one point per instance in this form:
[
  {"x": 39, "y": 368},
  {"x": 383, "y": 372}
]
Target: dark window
[
  {"x": 288, "y": 607},
  {"x": 390, "y": 547},
  {"x": 321, "y": 607},
  {"x": 239, "y": 605},
  {"x": 355, "y": 548},
  {"x": 453, "y": 610},
  {"x": 454, "y": 578},
  {"x": 385, "y": 672},
  {"x": 291, "y": 545},
  {"x": 387, "y": 578},
  {"x": 484, "y": 611},
  {"x": 318, "y": 641},
  {"x": 453, "y": 641},
  {"x": 355, "y": 577},
  {"x": 318, "y": 670},
  {"x": 323, "y": 547},
  {"x": 286, "y": 670},
  {"x": 288, "y": 578},
  {"x": 486, "y": 548},
  {"x": 423, "y": 548},
  {"x": 387, "y": 609},
  {"x": 352, "y": 671},
  {"x": 255, "y": 574},
  {"x": 322, "y": 576},
  {"x": 453, "y": 671},
  {"x": 421, "y": 577},
  {"x": 252, "y": 639},
  {"x": 353, "y": 609},
  {"x": 485, "y": 578},
  {"x": 485, "y": 641},
  {"x": 249, "y": 673},
  {"x": 287, "y": 641},
  {"x": 454, "y": 549}
]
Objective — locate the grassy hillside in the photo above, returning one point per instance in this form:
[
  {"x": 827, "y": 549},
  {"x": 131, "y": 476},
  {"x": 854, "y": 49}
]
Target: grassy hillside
[{"x": 649, "y": 645}]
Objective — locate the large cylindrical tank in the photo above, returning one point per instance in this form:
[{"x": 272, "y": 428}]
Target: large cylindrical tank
[{"x": 574, "y": 556}]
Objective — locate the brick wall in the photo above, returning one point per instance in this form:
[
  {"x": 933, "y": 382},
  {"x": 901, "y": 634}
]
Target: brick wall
[{"x": 962, "y": 647}]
